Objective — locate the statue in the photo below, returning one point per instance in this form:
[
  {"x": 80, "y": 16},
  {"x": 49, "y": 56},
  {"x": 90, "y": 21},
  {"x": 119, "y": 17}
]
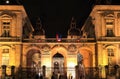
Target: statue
[
  {"x": 81, "y": 69},
  {"x": 79, "y": 57}
]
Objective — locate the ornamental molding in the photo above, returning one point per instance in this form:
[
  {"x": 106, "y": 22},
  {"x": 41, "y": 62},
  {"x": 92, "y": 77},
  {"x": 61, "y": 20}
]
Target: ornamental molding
[
  {"x": 45, "y": 48},
  {"x": 72, "y": 48}
]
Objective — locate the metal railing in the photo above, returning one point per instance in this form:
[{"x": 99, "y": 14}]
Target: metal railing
[
  {"x": 109, "y": 39},
  {"x": 63, "y": 40},
  {"x": 9, "y": 39},
  {"x": 90, "y": 73}
]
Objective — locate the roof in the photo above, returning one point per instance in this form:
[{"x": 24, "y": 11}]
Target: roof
[{"x": 73, "y": 30}]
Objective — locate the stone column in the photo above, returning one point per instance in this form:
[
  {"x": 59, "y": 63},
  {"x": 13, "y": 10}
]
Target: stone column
[{"x": 3, "y": 71}]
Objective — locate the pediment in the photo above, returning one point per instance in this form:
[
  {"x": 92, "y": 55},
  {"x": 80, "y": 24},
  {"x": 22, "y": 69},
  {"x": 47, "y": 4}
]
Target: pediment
[
  {"x": 108, "y": 14},
  {"x": 8, "y": 13},
  {"x": 5, "y": 16}
]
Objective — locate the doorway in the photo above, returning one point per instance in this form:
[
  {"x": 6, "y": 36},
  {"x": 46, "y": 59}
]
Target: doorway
[{"x": 58, "y": 65}]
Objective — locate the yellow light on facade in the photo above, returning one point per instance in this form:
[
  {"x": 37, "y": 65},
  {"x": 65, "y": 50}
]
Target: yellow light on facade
[
  {"x": 46, "y": 63},
  {"x": 105, "y": 61},
  {"x": 71, "y": 64}
]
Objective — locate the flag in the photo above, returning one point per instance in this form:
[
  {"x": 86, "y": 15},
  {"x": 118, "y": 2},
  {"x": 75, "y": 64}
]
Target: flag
[{"x": 58, "y": 37}]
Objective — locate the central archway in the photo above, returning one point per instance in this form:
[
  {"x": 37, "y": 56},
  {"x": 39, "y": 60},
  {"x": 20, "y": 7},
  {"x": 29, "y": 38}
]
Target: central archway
[{"x": 58, "y": 63}]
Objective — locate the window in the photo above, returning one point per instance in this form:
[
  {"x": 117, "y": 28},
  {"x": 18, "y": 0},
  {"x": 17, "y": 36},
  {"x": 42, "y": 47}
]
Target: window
[
  {"x": 5, "y": 57},
  {"x": 110, "y": 32},
  {"x": 6, "y": 28},
  {"x": 110, "y": 55},
  {"x": 110, "y": 52},
  {"x": 6, "y": 22},
  {"x": 109, "y": 27}
]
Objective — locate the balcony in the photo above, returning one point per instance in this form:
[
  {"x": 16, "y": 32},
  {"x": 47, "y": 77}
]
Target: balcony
[
  {"x": 63, "y": 40},
  {"x": 10, "y": 39},
  {"x": 109, "y": 39}
]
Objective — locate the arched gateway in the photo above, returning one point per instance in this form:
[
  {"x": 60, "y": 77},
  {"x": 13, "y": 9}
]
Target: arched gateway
[
  {"x": 58, "y": 64},
  {"x": 34, "y": 62}
]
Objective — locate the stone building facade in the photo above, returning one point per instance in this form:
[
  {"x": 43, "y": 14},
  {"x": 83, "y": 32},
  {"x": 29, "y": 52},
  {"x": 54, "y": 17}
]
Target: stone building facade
[{"x": 97, "y": 44}]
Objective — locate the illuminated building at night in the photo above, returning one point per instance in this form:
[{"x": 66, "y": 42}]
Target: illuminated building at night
[{"x": 96, "y": 44}]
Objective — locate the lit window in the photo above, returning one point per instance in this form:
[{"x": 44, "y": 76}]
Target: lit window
[{"x": 5, "y": 57}]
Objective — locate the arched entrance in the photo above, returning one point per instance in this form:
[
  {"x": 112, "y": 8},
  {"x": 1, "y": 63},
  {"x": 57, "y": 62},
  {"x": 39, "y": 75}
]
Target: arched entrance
[
  {"x": 33, "y": 62},
  {"x": 84, "y": 63},
  {"x": 80, "y": 67},
  {"x": 58, "y": 63},
  {"x": 87, "y": 57}
]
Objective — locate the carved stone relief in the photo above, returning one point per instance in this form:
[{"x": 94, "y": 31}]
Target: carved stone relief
[
  {"x": 72, "y": 48},
  {"x": 45, "y": 48}
]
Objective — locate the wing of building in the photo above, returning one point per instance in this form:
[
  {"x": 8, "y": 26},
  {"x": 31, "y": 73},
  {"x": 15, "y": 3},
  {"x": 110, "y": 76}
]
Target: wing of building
[{"x": 25, "y": 53}]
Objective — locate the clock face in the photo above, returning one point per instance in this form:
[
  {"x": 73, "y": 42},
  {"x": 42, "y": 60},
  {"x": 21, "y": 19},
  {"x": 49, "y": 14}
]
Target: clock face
[{"x": 72, "y": 48}]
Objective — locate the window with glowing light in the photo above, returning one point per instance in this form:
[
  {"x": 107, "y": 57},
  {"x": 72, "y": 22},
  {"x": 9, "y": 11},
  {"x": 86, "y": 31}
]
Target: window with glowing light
[
  {"x": 110, "y": 55},
  {"x": 5, "y": 57}
]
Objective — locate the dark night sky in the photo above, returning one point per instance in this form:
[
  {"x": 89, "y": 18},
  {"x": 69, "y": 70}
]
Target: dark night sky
[{"x": 56, "y": 14}]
